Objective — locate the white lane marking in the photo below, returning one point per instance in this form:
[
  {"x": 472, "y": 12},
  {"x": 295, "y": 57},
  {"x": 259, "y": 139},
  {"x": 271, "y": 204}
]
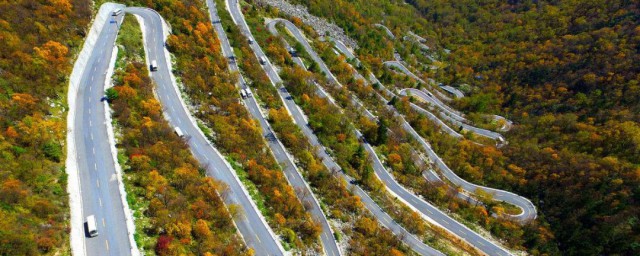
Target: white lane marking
[
  {"x": 443, "y": 220},
  {"x": 92, "y": 139},
  {"x": 89, "y": 109},
  {"x": 90, "y": 124},
  {"x": 94, "y": 68},
  {"x": 95, "y": 166},
  {"x": 107, "y": 243},
  {"x": 100, "y": 201},
  {"x": 103, "y": 223},
  {"x": 91, "y": 78},
  {"x": 94, "y": 150},
  {"x": 98, "y": 183},
  {"x": 174, "y": 110}
]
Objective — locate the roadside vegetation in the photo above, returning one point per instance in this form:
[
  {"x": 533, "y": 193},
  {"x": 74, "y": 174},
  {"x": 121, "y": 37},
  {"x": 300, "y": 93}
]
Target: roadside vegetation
[
  {"x": 346, "y": 212},
  {"x": 334, "y": 129},
  {"x": 407, "y": 165},
  {"x": 39, "y": 40},
  {"x": 213, "y": 98},
  {"x": 403, "y": 161},
  {"x": 176, "y": 208},
  {"x": 563, "y": 72}
]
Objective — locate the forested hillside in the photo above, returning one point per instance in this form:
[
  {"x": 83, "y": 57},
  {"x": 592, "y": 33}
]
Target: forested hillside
[
  {"x": 566, "y": 72},
  {"x": 38, "y": 40}
]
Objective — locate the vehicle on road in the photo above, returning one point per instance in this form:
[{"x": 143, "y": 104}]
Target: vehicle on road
[
  {"x": 243, "y": 94},
  {"x": 179, "y": 132},
  {"x": 248, "y": 92},
  {"x": 92, "y": 227},
  {"x": 250, "y": 41},
  {"x": 263, "y": 60},
  {"x": 116, "y": 12},
  {"x": 153, "y": 66}
]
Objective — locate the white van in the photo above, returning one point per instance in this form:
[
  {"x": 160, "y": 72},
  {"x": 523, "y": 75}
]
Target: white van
[
  {"x": 154, "y": 65},
  {"x": 248, "y": 92},
  {"x": 263, "y": 60},
  {"x": 92, "y": 226},
  {"x": 179, "y": 132},
  {"x": 116, "y": 12},
  {"x": 243, "y": 94}
]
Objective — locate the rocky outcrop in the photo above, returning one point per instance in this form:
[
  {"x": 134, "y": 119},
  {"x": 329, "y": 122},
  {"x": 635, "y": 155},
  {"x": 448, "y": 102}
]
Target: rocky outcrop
[{"x": 320, "y": 25}]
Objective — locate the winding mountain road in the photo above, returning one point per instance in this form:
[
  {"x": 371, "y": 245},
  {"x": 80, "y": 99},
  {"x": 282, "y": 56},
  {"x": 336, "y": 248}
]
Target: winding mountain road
[
  {"x": 528, "y": 209},
  {"x": 98, "y": 181},
  {"x": 99, "y": 188},
  {"x": 428, "y": 210},
  {"x": 299, "y": 118},
  {"x": 302, "y": 189},
  {"x": 252, "y": 225}
]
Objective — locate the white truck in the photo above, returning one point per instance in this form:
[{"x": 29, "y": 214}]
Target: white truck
[
  {"x": 92, "y": 226},
  {"x": 179, "y": 132}
]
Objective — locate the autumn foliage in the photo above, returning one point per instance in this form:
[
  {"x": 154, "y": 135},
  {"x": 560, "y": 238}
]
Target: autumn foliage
[
  {"x": 564, "y": 71},
  {"x": 37, "y": 39},
  {"x": 181, "y": 209}
]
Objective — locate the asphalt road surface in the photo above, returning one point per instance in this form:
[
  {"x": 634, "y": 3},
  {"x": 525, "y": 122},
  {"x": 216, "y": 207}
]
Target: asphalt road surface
[
  {"x": 251, "y": 224},
  {"x": 296, "y": 180},
  {"x": 299, "y": 118},
  {"x": 452, "y": 116},
  {"x": 409, "y": 198},
  {"x": 528, "y": 209},
  {"x": 99, "y": 186}
]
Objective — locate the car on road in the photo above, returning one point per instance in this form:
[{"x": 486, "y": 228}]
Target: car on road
[
  {"x": 250, "y": 41},
  {"x": 153, "y": 66},
  {"x": 243, "y": 94},
  {"x": 92, "y": 226},
  {"x": 263, "y": 60},
  {"x": 116, "y": 12}
]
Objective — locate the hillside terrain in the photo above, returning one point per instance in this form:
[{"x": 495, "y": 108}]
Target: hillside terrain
[
  {"x": 38, "y": 41},
  {"x": 565, "y": 71},
  {"x": 386, "y": 127}
]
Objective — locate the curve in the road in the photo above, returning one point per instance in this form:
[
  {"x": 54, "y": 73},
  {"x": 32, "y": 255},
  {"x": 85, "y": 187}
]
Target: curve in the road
[
  {"x": 302, "y": 189},
  {"x": 386, "y": 30},
  {"x": 528, "y": 210},
  {"x": 452, "y": 116},
  {"x": 446, "y": 112},
  {"x": 95, "y": 184},
  {"x": 251, "y": 225},
  {"x": 299, "y": 118},
  {"x": 428, "y": 211}
]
